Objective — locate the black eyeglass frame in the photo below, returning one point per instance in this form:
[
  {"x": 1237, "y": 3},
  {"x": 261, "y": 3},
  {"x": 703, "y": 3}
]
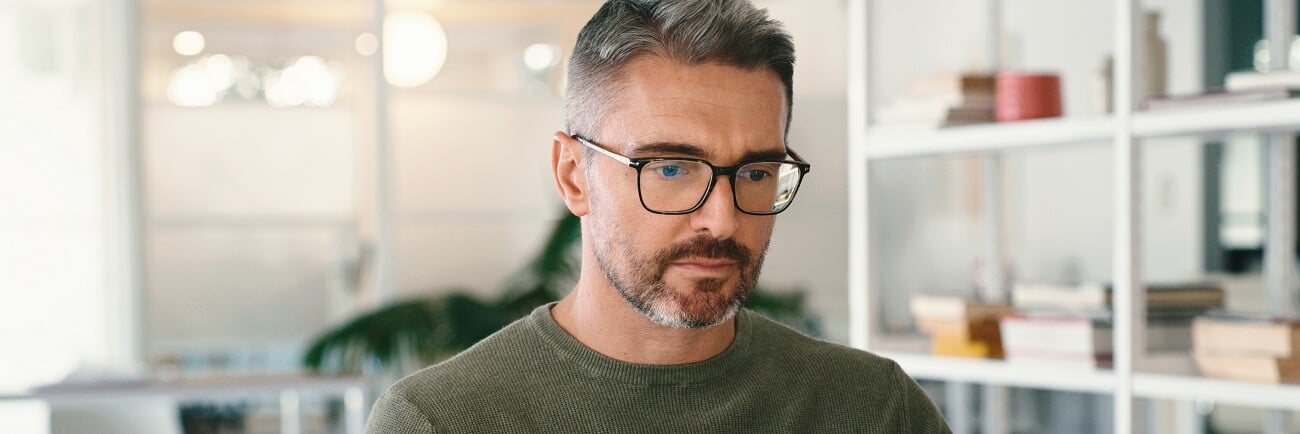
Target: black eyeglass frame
[{"x": 729, "y": 171}]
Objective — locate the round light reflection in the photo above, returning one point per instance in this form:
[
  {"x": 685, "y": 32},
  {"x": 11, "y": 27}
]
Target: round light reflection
[
  {"x": 366, "y": 44},
  {"x": 188, "y": 43},
  {"x": 191, "y": 86},
  {"x": 540, "y": 57},
  {"x": 308, "y": 81},
  {"x": 415, "y": 47}
]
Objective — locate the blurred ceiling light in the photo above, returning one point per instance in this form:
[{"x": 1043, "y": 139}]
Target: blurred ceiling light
[
  {"x": 415, "y": 47},
  {"x": 220, "y": 71},
  {"x": 191, "y": 86},
  {"x": 541, "y": 57},
  {"x": 366, "y": 44},
  {"x": 205, "y": 81},
  {"x": 308, "y": 81},
  {"x": 188, "y": 43}
]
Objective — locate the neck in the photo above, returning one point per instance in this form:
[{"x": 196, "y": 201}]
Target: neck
[{"x": 598, "y": 317}]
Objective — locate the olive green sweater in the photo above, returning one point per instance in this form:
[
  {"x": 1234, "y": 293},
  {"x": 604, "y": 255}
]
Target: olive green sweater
[{"x": 533, "y": 377}]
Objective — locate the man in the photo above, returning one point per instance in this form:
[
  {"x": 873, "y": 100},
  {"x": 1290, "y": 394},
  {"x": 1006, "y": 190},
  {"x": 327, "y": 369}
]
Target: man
[{"x": 675, "y": 159}]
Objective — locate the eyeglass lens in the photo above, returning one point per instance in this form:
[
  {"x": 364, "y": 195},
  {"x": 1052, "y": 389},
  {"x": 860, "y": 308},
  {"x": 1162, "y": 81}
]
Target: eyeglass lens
[{"x": 674, "y": 186}]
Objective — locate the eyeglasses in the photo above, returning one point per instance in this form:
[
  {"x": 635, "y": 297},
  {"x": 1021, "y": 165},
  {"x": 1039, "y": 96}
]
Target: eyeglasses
[{"x": 681, "y": 185}]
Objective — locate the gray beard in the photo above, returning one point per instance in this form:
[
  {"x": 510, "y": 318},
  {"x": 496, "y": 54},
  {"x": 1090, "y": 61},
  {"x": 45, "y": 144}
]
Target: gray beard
[{"x": 702, "y": 307}]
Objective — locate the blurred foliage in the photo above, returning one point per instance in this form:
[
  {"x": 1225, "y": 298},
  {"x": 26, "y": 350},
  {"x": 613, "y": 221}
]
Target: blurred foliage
[{"x": 413, "y": 333}]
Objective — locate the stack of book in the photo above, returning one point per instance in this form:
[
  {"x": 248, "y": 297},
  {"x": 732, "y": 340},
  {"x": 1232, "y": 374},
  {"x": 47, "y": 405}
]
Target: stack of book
[
  {"x": 948, "y": 99},
  {"x": 1238, "y": 87},
  {"x": 960, "y": 327},
  {"x": 1248, "y": 349},
  {"x": 1246, "y": 81},
  {"x": 1072, "y": 324}
]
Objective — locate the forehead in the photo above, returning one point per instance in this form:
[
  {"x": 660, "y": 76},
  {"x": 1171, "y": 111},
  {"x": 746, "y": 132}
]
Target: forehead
[{"x": 723, "y": 110}]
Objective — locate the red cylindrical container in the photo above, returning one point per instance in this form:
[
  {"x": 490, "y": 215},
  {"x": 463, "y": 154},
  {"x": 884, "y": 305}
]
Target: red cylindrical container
[{"x": 1024, "y": 95}]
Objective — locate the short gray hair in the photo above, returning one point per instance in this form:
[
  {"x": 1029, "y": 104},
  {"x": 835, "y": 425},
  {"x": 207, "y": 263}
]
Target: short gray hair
[{"x": 693, "y": 32}]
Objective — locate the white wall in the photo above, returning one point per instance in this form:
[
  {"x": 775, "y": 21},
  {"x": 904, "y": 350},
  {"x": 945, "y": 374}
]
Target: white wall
[
  {"x": 51, "y": 199},
  {"x": 52, "y": 218},
  {"x": 251, "y": 215},
  {"x": 809, "y": 248},
  {"x": 475, "y": 196}
]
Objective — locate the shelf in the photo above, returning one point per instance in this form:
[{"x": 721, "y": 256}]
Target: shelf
[
  {"x": 890, "y": 142},
  {"x": 1261, "y": 116},
  {"x": 902, "y": 142},
  {"x": 1145, "y": 385},
  {"x": 1178, "y": 387},
  {"x": 998, "y": 372}
]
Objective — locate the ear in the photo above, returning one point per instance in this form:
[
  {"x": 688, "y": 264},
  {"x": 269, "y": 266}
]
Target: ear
[{"x": 570, "y": 178}]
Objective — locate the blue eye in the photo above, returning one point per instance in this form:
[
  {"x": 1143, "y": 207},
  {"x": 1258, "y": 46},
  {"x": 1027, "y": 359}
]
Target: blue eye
[
  {"x": 754, "y": 175},
  {"x": 670, "y": 171}
]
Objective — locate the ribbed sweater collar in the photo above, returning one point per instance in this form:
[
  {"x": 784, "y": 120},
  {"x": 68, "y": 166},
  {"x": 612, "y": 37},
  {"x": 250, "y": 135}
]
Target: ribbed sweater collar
[{"x": 601, "y": 366}]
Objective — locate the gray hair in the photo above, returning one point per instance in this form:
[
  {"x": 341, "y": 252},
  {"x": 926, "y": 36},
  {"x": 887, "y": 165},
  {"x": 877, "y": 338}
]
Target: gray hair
[{"x": 693, "y": 32}]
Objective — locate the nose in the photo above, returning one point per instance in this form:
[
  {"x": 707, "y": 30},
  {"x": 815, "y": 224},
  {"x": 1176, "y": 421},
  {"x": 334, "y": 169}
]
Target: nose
[{"x": 718, "y": 214}]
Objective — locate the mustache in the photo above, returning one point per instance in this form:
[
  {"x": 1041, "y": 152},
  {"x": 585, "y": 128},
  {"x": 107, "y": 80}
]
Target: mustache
[{"x": 704, "y": 246}]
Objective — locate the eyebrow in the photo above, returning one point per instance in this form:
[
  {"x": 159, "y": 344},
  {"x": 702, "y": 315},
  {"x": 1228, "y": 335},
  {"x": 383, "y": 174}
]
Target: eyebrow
[{"x": 650, "y": 150}]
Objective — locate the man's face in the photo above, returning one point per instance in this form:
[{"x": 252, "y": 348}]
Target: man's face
[{"x": 693, "y": 270}]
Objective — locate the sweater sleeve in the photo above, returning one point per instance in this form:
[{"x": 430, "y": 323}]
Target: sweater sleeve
[
  {"x": 393, "y": 414},
  {"x": 919, "y": 413}
]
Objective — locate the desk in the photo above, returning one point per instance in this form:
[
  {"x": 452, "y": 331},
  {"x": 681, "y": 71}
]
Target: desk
[{"x": 289, "y": 388}]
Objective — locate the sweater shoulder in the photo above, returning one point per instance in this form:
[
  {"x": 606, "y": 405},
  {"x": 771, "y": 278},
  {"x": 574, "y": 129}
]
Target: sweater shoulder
[
  {"x": 829, "y": 358},
  {"x": 493, "y": 363}
]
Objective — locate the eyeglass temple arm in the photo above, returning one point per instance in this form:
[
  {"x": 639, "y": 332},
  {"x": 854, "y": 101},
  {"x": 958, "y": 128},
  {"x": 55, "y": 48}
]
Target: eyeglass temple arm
[
  {"x": 607, "y": 153},
  {"x": 796, "y": 155}
]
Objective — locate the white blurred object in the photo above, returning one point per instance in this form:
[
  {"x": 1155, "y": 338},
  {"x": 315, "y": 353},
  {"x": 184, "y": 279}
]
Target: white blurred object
[
  {"x": 24, "y": 417},
  {"x": 189, "y": 43},
  {"x": 366, "y": 44},
  {"x": 189, "y": 88},
  {"x": 128, "y": 416},
  {"x": 415, "y": 47},
  {"x": 541, "y": 57},
  {"x": 308, "y": 81},
  {"x": 1263, "y": 58},
  {"x": 205, "y": 82}
]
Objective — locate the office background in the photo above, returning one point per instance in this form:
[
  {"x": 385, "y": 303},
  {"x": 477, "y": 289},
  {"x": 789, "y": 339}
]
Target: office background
[{"x": 194, "y": 187}]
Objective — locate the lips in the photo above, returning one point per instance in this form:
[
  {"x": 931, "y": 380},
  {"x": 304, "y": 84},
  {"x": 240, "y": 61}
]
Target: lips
[{"x": 702, "y": 264}]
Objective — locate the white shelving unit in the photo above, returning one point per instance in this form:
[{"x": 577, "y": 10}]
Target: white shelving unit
[
  {"x": 907, "y": 142},
  {"x": 1145, "y": 385},
  {"x": 1124, "y": 130}
]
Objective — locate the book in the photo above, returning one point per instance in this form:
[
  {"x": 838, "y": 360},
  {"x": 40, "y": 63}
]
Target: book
[
  {"x": 1251, "y": 80},
  {"x": 959, "y": 345},
  {"x": 1189, "y": 298},
  {"x": 1054, "y": 336},
  {"x": 1247, "y": 336},
  {"x": 980, "y": 329},
  {"x": 951, "y": 83},
  {"x": 1079, "y": 336},
  {"x": 907, "y": 112},
  {"x": 1031, "y": 360},
  {"x": 1219, "y": 97},
  {"x": 954, "y": 308},
  {"x": 1263, "y": 369},
  {"x": 1174, "y": 363},
  {"x": 942, "y": 100},
  {"x": 968, "y": 338}
]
